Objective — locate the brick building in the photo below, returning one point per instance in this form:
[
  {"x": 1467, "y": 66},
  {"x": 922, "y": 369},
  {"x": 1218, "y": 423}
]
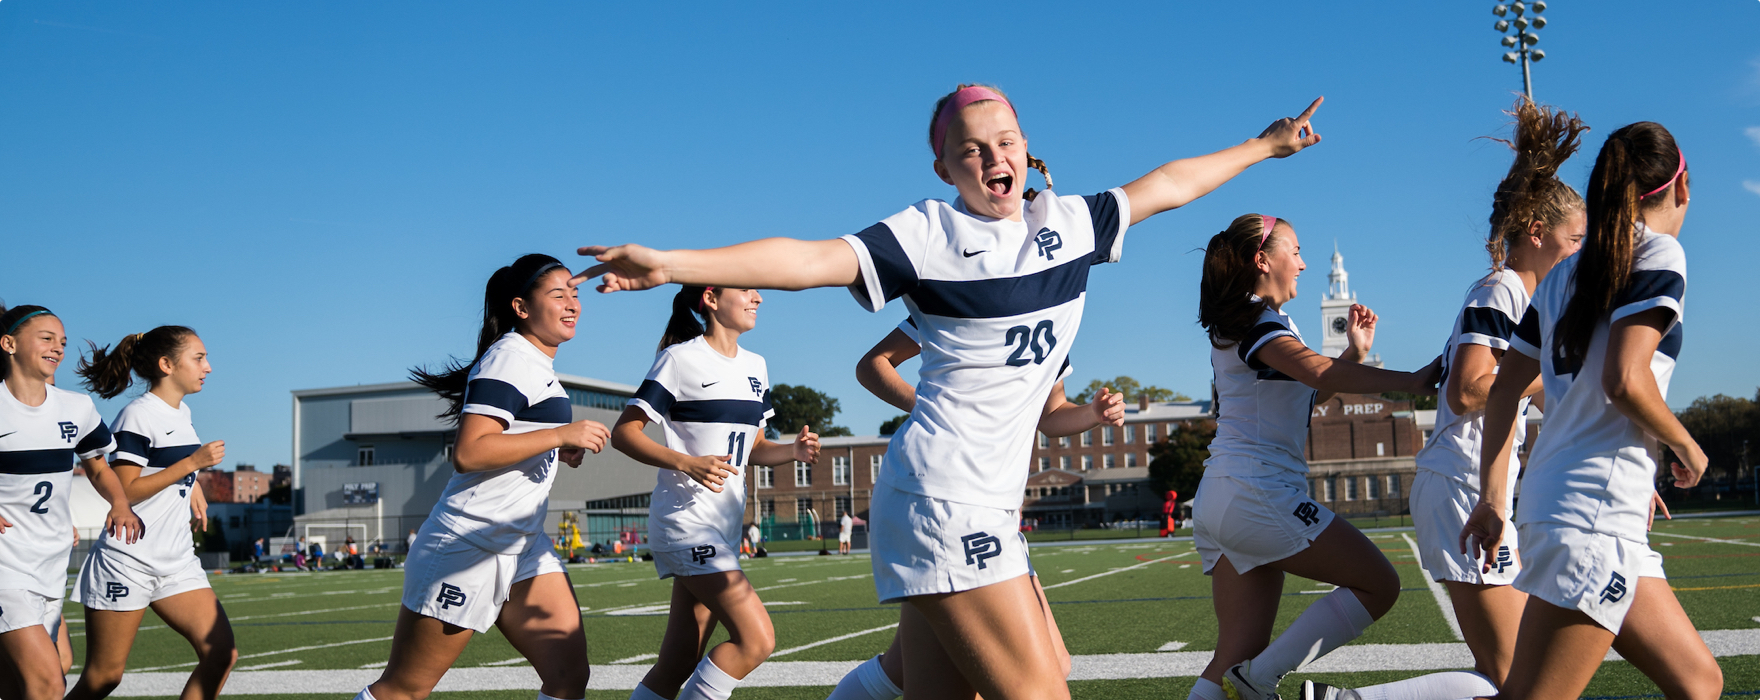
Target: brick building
[
  {"x": 1102, "y": 475},
  {"x": 841, "y": 482},
  {"x": 242, "y": 485}
]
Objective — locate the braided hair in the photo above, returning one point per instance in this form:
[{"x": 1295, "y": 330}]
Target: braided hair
[{"x": 1032, "y": 162}]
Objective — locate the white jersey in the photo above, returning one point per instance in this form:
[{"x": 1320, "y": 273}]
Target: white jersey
[
  {"x": 153, "y": 435},
  {"x": 1488, "y": 318},
  {"x": 38, "y": 445},
  {"x": 707, "y": 404},
  {"x": 503, "y": 509},
  {"x": 1589, "y": 469},
  {"x": 997, "y": 304},
  {"x": 1261, "y": 414}
]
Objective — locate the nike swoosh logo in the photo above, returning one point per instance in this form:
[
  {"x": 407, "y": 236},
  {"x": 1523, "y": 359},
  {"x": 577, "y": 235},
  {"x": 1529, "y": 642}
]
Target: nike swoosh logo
[
  {"x": 710, "y": 384},
  {"x": 173, "y": 430},
  {"x": 1, "y": 436},
  {"x": 972, "y": 253},
  {"x": 548, "y": 383}
]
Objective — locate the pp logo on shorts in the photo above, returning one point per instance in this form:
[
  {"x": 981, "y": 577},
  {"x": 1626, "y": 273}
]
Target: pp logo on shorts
[
  {"x": 1615, "y": 590},
  {"x": 114, "y": 590},
  {"x": 1308, "y": 513},
  {"x": 980, "y": 546},
  {"x": 702, "y": 553},
  {"x": 450, "y": 595},
  {"x": 1504, "y": 560}
]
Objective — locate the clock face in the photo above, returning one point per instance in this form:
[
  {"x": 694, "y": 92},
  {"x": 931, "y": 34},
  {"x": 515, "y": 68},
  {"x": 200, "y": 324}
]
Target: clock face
[{"x": 1338, "y": 324}]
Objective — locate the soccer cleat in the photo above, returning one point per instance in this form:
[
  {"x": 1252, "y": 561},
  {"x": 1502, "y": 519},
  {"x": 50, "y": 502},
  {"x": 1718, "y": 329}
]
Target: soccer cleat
[
  {"x": 1237, "y": 683},
  {"x": 1322, "y": 691}
]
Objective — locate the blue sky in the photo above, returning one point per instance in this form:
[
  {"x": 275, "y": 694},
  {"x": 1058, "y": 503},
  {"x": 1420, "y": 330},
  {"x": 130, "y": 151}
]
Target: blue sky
[{"x": 322, "y": 188}]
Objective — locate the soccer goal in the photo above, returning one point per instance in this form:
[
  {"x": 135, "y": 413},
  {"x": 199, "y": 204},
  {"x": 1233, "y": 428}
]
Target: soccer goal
[{"x": 333, "y": 535}]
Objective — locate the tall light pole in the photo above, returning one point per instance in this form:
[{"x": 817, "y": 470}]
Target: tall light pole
[{"x": 1524, "y": 36}]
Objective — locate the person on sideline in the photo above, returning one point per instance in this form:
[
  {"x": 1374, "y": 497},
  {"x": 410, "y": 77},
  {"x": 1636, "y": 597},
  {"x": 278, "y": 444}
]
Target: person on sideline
[{"x": 846, "y": 528}]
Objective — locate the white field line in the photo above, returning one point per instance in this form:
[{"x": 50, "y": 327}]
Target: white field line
[
  {"x": 268, "y": 653},
  {"x": 513, "y": 661},
  {"x": 286, "y": 614},
  {"x": 838, "y": 638},
  {"x": 614, "y": 583},
  {"x": 1175, "y": 664},
  {"x": 1709, "y": 539},
  {"x": 1115, "y": 571},
  {"x": 1437, "y": 592},
  {"x": 809, "y": 583},
  {"x": 1172, "y": 646},
  {"x": 260, "y": 667},
  {"x": 637, "y": 657}
]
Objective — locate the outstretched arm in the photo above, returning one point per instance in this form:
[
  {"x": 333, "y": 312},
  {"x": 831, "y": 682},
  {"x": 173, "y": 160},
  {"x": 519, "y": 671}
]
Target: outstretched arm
[
  {"x": 1343, "y": 374},
  {"x": 771, "y": 263},
  {"x": 1176, "y": 184}
]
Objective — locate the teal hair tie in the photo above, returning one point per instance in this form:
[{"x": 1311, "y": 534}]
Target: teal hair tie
[{"x": 26, "y": 317}]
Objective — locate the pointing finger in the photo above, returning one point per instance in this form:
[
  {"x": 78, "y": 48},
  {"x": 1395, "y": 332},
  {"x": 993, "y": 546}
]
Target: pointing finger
[{"x": 1309, "y": 112}]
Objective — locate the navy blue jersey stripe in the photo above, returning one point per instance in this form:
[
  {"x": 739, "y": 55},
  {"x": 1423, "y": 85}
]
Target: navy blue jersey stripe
[
  {"x": 98, "y": 439},
  {"x": 37, "y": 461},
  {"x": 495, "y": 394},
  {"x": 1103, "y": 208},
  {"x": 1003, "y": 296},
  {"x": 551, "y": 410},
  {"x": 735, "y": 411},
  {"x": 1253, "y": 337},
  {"x": 1671, "y": 343},
  {"x": 133, "y": 443},
  {"x": 1487, "y": 321},
  {"x": 162, "y": 457},
  {"x": 897, "y": 275},
  {"x": 656, "y": 395},
  {"x": 1272, "y": 375},
  {"x": 1651, "y": 284},
  {"x": 1529, "y": 329},
  {"x": 768, "y": 407}
]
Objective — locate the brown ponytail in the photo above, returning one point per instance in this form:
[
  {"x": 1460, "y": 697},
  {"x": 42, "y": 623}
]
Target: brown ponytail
[
  {"x": 1636, "y": 159},
  {"x": 688, "y": 317},
  {"x": 1544, "y": 139},
  {"x": 515, "y": 281},
  {"x": 107, "y": 372},
  {"x": 1225, "y": 305}
]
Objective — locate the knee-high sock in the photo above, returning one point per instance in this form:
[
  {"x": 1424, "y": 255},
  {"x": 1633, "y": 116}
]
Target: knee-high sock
[
  {"x": 1447, "y": 685},
  {"x": 1333, "y": 620},
  {"x": 867, "y": 682},
  {"x": 542, "y": 696},
  {"x": 1206, "y": 690},
  {"x": 642, "y": 693},
  {"x": 365, "y": 694},
  {"x": 709, "y": 682}
]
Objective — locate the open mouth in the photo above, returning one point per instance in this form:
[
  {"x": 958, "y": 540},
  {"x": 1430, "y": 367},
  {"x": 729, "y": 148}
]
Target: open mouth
[{"x": 1000, "y": 185}]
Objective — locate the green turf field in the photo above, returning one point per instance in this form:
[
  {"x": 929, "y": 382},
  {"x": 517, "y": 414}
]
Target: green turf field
[{"x": 308, "y": 632}]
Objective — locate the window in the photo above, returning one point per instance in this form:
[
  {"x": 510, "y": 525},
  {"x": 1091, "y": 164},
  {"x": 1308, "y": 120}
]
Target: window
[
  {"x": 766, "y": 477},
  {"x": 1374, "y": 483},
  {"x": 1427, "y": 437},
  {"x": 1087, "y": 462},
  {"x": 1130, "y": 434},
  {"x": 446, "y": 452},
  {"x": 1106, "y": 435},
  {"x": 1350, "y": 488},
  {"x": 1149, "y": 432},
  {"x": 1087, "y": 438},
  {"x": 840, "y": 471},
  {"x": 1044, "y": 463},
  {"x": 1380, "y": 449},
  {"x": 363, "y": 457},
  {"x": 1130, "y": 459},
  {"x": 1063, "y": 462},
  {"x": 767, "y": 509},
  {"x": 803, "y": 508},
  {"x": 1044, "y": 441},
  {"x": 1331, "y": 488},
  {"x": 843, "y": 506},
  {"x": 1310, "y": 488},
  {"x": 596, "y": 399},
  {"x": 1393, "y": 486},
  {"x": 874, "y": 469},
  {"x": 803, "y": 474},
  {"x": 1110, "y": 461},
  {"x": 1063, "y": 441}
]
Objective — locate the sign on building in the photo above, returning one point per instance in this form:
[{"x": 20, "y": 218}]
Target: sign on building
[{"x": 362, "y": 494}]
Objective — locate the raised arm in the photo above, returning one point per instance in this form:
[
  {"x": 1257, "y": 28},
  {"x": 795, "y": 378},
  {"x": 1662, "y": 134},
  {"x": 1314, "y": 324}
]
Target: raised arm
[
  {"x": 1484, "y": 529},
  {"x": 877, "y": 371},
  {"x": 1631, "y": 387},
  {"x": 1176, "y": 184},
  {"x": 805, "y": 448},
  {"x": 771, "y": 263}
]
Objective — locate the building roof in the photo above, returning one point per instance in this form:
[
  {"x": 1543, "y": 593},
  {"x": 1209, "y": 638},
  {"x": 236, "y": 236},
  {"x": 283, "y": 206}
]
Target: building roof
[
  {"x": 1166, "y": 410},
  {"x": 854, "y": 441},
  {"x": 568, "y": 380}
]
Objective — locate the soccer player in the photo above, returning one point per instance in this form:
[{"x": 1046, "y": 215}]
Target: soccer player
[
  {"x": 482, "y": 557},
  {"x": 1254, "y": 518},
  {"x": 711, "y": 398},
  {"x": 157, "y": 457},
  {"x": 43, "y": 429},
  {"x": 1536, "y": 221},
  {"x": 1602, "y": 332},
  {"x": 996, "y": 282}
]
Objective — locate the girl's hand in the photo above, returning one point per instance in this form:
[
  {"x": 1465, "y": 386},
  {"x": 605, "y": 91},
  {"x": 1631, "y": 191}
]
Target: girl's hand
[
  {"x": 1361, "y": 330},
  {"x": 628, "y": 267},
  {"x": 711, "y": 472},
  {"x": 571, "y": 456},
  {"x": 198, "y": 512},
  {"x": 209, "y": 455},
  {"x": 1289, "y": 136},
  {"x": 1428, "y": 378},
  {"x": 1687, "y": 476},
  {"x": 583, "y": 435},
  {"x": 806, "y": 446},
  {"x": 4, "y": 523},
  {"x": 1482, "y": 534},
  {"x": 124, "y": 524},
  {"x": 1108, "y": 407},
  {"x": 1656, "y": 504}
]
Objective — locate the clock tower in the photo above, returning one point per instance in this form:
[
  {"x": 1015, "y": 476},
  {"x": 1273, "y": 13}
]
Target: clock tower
[{"x": 1335, "y": 308}]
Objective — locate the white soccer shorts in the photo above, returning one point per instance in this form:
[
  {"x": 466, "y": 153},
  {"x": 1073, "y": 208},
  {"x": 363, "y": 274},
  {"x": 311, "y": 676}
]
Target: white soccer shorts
[
  {"x": 1255, "y": 520},
  {"x": 1440, "y": 507},
  {"x": 706, "y": 558},
  {"x": 459, "y": 583},
  {"x": 1581, "y": 570},
  {"x": 922, "y": 545},
  {"x": 20, "y": 608},
  {"x": 109, "y": 581}
]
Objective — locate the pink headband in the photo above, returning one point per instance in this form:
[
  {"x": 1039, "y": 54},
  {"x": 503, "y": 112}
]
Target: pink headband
[
  {"x": 959, "y": 100},
  {"x": 1269, "y": 222},
  {"x": 700, "y": 306},
  {"x": 1678, "y": 169}
]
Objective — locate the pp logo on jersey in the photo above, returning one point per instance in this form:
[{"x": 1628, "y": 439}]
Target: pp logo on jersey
[
  {"x": 450, "y": 595},
  {"x": 1615, "y": 590},
  {"x": 1048, "y": 241},
  {"x": 114, "y": 590},
  {"x": 1308, "y": 513},
  {"x": 69, "y": 431},
  {"x": 702, "y": 553},
  {"x": 980, "y": 546},
  {"x": 1504, "y": 561},
  {"x": 757, "y": 386}
]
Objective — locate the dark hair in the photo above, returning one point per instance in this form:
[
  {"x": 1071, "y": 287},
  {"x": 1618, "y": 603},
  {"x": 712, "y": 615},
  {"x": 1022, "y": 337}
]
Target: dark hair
[
  {"x": 1032, "y": 162},
  {"x": 1225, "y": 293},
  {"x": 107, "y": 372},
  {"x": 1544, "y": 139},
  {"x": 1636, "y": 159},
  {"x": 12, "y": 316},
  {"x": 688, "y": 316},
  {"x": 508, "y": 283}
]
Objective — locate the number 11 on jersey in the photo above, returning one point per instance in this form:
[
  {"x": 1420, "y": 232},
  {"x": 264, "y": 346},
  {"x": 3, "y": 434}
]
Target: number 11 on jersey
[{"x": 736, "y": 446}]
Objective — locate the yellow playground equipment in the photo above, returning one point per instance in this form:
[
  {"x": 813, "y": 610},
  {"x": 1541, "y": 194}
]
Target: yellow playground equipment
[{"x": 568, "y": 535}]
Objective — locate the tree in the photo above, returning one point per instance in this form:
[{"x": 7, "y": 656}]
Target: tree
[
  {"x": 890, "y": 425},
  {"x": 1132, "y": 390},
  {"x": 1722, "y": 425},
  {"x": 1177, "y": 463},
  {"x": 803, "y": 405}
]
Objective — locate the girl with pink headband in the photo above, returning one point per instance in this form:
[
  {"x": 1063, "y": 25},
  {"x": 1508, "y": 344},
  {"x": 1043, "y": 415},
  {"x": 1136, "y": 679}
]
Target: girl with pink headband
[{"x": 995, "y": 281}]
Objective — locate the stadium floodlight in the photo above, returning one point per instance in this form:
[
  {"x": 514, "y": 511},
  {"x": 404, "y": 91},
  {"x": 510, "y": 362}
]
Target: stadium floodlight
[{"x": 1520, "y": 34}]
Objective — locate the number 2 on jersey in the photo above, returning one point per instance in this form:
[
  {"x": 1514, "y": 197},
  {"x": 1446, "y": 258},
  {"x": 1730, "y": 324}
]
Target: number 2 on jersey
[
  {"x": 1039, "y": 340},
  {"x": 47, "y": 489},
  {"x": 736, "y": 446}
]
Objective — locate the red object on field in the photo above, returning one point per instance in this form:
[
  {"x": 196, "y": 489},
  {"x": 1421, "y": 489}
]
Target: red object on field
[{"x": 1169, "y": 511}]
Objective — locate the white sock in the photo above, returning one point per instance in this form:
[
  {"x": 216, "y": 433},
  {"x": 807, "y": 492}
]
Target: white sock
[
  {"x": 866, "y": 682},
  {"x": 1331, "y": 622},
  {"x": 1447, "y": 685},
  {"x": 642, "y": 693},
  {"x": 709, "y": 682},
  {"x": 365, "y": 694},
  {"x": 1205, "y": 689}
]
